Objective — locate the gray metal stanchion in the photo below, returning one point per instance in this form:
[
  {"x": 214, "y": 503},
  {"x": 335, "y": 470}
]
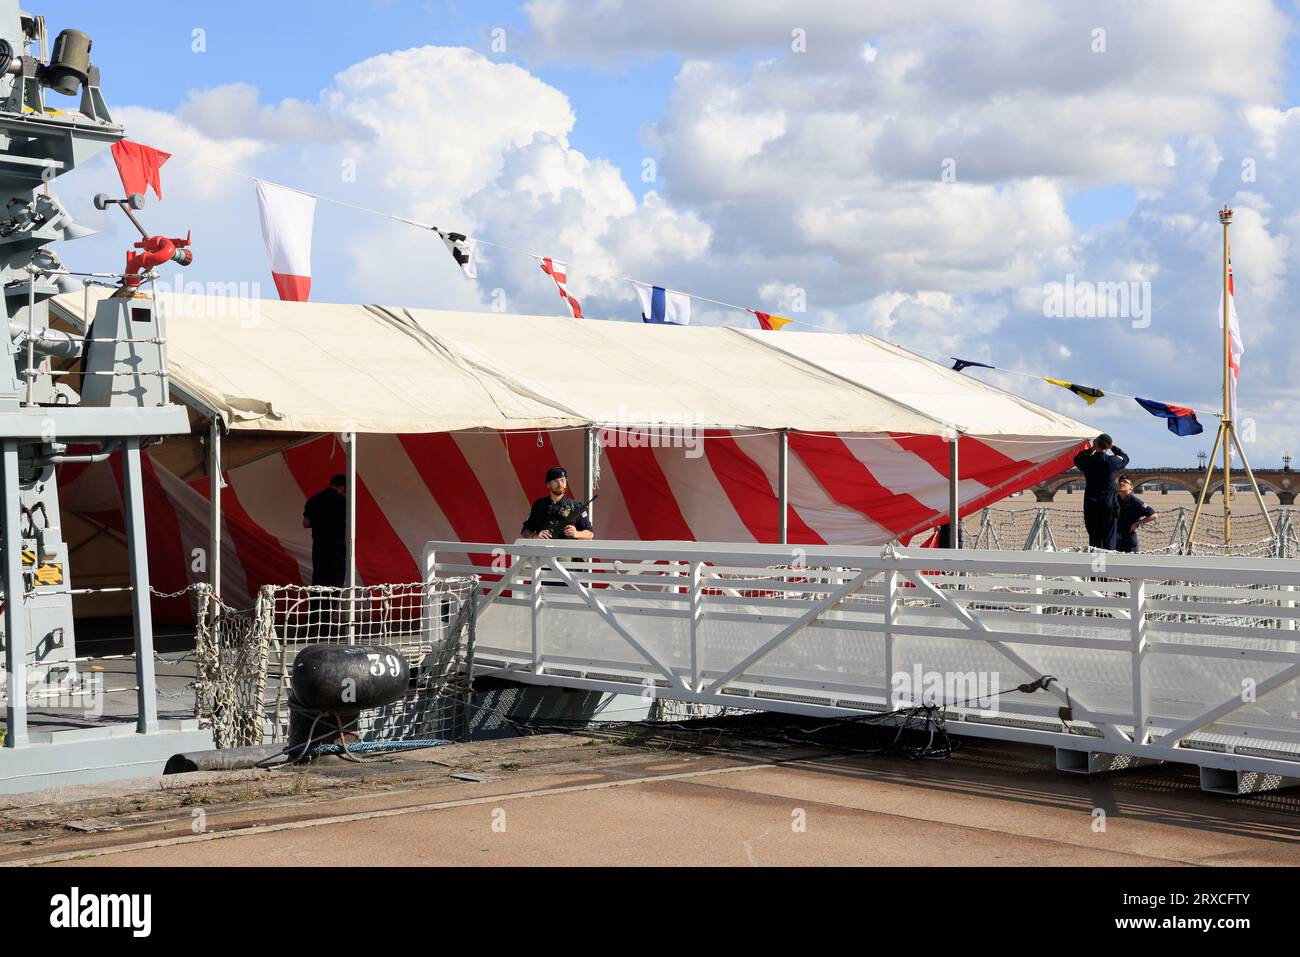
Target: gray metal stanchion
[
  {"x": 15, "y": 604},
  {"x": 142, "y": 613}
]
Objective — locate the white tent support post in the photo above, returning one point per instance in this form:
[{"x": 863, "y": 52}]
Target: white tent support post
[
  {"x": 783, "y": 490},
  {"x": 350, "y": 439},
  {"x": 954, "y": 499},
  {"x": 214, "y": 504},
  {"x": 589, "y": 452}
]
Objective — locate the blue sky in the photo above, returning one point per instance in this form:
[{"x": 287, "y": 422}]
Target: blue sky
[
  {"x": 289, "y": 54},
  {"x": 292, "y": 55},
  {"x": 777, "y": 173}
]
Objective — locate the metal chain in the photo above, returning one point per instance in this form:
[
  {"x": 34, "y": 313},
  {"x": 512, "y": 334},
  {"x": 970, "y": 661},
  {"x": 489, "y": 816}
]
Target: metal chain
[{"x": 196, "y": 586}]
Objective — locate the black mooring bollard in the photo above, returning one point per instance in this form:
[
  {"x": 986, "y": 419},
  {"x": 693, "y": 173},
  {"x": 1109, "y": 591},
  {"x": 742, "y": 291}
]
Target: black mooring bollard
[{"x": 333, "y": 684}]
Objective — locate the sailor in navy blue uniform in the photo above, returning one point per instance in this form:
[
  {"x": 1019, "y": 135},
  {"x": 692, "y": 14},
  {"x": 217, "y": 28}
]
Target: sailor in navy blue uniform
[
  {"x": 1133, "y": 512},
  {"x": 557, "y": 515},
  {"x": 1099, "y": 466}
]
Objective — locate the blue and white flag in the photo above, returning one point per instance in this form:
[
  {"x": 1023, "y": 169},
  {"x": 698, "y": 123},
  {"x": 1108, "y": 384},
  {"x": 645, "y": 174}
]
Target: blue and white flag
[{"x": 663, "y": 305}]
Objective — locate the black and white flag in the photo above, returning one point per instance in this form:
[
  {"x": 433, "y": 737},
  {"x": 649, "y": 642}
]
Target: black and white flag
[{"x": 463, "y": 250}]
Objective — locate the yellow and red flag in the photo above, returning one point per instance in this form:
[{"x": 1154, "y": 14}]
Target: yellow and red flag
[{"x": 770, "y": 322}]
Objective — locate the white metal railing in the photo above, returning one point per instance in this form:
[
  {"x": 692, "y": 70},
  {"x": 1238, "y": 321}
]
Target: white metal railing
[
  {"x": 1162, "y": 657},
  {"x": 1060, "y": 527}
]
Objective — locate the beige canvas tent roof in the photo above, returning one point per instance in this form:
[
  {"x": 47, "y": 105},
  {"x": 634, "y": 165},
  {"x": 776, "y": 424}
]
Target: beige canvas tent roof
[{"x": 321, "y": 367}]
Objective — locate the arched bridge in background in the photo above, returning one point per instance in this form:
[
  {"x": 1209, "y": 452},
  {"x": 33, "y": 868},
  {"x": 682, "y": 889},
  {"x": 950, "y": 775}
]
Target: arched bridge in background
[{"x": 1282, "y": 482}]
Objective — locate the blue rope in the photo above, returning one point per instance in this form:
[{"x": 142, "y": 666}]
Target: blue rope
[{"x": 366, "y": 746}]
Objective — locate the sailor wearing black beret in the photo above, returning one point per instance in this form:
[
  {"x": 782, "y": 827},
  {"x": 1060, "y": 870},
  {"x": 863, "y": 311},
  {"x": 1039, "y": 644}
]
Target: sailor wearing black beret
[{"x": 557, "y": 515}]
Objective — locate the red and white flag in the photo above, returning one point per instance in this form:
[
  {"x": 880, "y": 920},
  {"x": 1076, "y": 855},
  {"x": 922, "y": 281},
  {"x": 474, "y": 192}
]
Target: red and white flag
[
  {"x": 1235, "y": 346},
  {"x": 560, "y": 273},
  {"x": 287, "y": 217}
]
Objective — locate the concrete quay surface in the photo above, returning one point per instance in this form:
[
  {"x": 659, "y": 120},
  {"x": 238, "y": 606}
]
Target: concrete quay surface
[{"x": 567, "y": 799}]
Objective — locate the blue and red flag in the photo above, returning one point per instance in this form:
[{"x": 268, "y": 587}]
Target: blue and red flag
[{"x": 1181, "y": 420}]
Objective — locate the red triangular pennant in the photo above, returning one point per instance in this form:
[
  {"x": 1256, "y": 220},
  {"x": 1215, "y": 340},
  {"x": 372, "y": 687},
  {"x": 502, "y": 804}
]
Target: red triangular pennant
[{"x": 138, "y": 165}]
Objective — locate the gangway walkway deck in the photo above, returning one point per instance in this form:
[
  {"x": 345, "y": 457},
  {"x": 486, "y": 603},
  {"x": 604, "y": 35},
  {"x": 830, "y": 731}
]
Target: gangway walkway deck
[{"x": 1154, "y": 658}]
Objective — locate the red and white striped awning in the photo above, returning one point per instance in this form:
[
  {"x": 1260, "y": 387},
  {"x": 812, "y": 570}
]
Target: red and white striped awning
[
  {"x": 459, "y": 415},
  {"x": 477, "y": 487}
]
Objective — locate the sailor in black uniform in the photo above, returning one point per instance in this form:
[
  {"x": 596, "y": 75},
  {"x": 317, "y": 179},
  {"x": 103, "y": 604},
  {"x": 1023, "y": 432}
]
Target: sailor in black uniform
[
  {"x": 1133, "y": 512},
  {"x": 557, "y": 515},
  {"x": 326, "y": 514},
  {"x": 1099, "y": 465}
]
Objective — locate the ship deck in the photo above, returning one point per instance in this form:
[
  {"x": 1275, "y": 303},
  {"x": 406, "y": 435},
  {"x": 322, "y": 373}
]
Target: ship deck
[{"x": 104, "y": 648}]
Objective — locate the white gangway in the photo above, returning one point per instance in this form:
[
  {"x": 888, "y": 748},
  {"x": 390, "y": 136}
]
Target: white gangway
[{"x": 1154, "y": 658}]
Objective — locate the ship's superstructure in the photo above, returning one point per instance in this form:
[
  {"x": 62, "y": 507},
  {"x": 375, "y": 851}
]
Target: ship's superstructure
[{"x": 64, "y": 397}]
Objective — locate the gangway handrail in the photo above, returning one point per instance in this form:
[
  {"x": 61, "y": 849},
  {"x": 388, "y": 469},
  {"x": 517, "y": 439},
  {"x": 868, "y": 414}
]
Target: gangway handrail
[
  {"x": 1145, "y": 652},
  {"x": 1233, "y": 570}
]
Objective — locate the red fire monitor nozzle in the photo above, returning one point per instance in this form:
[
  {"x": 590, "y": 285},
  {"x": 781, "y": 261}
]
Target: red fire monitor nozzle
[
  {"x": 153, "y": 250},
  {"x": 156, "y": 250}
]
